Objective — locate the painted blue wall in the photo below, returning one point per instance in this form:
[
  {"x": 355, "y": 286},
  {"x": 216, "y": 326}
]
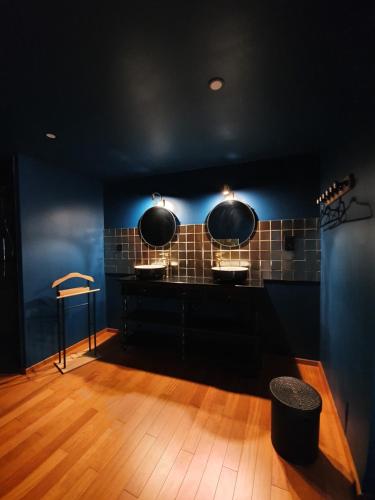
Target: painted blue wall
[
  {"x": 61, "y": 216},
  {"x": 276, "y": 189},
  {"x": 347, "y": 304},
  {"x": 292, "y": 321}
]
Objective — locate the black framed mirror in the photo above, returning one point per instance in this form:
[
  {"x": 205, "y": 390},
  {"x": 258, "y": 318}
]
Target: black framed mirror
[
  {"x": 157, "y": 226},
  {"x": 231, "y": 223}
]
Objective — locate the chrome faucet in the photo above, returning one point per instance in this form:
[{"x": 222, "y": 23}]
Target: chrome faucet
[
  {"x": 218, "y": 258},
  {"x": 165, "y": 259}
]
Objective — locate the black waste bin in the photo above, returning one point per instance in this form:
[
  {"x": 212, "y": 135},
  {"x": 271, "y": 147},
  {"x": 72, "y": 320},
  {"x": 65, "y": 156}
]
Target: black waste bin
[{"x": 296, "y": 408}]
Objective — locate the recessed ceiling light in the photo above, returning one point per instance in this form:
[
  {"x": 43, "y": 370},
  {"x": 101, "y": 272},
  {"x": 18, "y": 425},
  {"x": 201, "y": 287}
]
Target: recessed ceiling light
[
  {"x": 50, "y": 135},
  {"x": 216, "y": 83}
]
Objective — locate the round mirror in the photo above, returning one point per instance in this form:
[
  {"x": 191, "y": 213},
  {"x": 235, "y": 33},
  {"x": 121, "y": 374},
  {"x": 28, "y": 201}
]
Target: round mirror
[
  {"x": 157, "y": 226},
  {"x": 231, "y": 223}
]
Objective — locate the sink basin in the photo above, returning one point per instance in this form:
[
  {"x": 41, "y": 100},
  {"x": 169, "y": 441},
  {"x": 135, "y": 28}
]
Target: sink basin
[
  {"x": 150, "y": 271},
  {"x": 230, "y": 274}
]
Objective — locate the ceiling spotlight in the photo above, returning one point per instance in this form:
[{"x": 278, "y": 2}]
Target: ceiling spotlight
[
  {"x": 216, "y": 83},
  {"x": 50, "y": 135}
]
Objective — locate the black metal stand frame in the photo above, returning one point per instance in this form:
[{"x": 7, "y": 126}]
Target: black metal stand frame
[{"x": 91, "y": 322}]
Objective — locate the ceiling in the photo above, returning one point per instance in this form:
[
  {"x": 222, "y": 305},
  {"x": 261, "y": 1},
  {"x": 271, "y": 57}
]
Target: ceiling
[{"x": 124, "y": 86}]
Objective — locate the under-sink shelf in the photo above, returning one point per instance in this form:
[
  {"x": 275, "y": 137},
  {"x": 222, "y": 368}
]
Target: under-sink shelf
[
  {"x": 154, "y": 317},
  {"x": 220, "y": 326},
  {"x": 201, "y": 317}
]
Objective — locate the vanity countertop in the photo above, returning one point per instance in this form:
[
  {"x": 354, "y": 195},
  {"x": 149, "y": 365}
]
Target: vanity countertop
[
  {"x": 209, "y": 281},
  {"x": 191, "y": 281}
]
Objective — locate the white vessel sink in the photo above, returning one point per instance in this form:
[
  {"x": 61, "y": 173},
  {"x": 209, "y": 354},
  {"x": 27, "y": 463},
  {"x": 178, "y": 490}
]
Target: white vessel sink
[
  {"x": 150, "y": 271},
  {"x": 228, "y": 269},
  {"x": 233, "y": 274}
]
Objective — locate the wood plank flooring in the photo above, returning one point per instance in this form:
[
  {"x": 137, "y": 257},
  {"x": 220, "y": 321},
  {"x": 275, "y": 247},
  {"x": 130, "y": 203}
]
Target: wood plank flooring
[{"x": 137, "y": 425}]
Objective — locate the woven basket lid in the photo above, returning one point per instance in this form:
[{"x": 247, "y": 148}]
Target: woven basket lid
[{"x": 295, "y": 393}]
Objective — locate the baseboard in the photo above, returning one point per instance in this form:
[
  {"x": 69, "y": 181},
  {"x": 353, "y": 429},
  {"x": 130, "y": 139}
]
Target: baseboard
[
  {"x": 305, "y": 361},
  {"x": 348, "y": 453},
  {"x": 108, "y": 332},
  {"x": 112, "y": 330}
]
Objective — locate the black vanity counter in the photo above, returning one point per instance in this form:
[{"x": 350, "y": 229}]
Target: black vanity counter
[
  {"x": 192, "y": 289},
  {"x": 121, "y": 277},
  {"x": 191, "y": 282}
]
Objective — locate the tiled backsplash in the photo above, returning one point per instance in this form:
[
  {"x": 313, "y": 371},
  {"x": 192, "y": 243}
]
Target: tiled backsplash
[{"x": 192, "y": 253}]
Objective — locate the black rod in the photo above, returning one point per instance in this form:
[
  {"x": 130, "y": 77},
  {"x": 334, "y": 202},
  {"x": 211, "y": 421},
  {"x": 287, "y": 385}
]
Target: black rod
[
  {"x": 89, "y": 320},
  {"x": 58, "y": 328},
  {"x": 94, "y": 320},
  {"x": 183, "y": 313},
  {"x": 63, "y": 331},
  {"x": 124, "y": 325},
  {"x": 77, "y": 305}
]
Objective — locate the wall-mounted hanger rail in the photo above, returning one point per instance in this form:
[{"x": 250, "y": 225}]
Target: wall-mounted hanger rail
[
  {"x": 332, "y": 216},
  {"x": 336, "y": 190},
  {"x": 334, "y": 211},
  {"x": 332, "y": 207}
]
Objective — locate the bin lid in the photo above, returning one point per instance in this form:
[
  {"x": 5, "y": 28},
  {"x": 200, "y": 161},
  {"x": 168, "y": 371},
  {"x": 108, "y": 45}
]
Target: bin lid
[{"x": 295, "y": 393}]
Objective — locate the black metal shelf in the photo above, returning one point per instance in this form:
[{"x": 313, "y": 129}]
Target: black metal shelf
[
  {"x": 192, "y": 320},
  {"x": 154, "y": 317},
  {"x": 222, "y": 326}
]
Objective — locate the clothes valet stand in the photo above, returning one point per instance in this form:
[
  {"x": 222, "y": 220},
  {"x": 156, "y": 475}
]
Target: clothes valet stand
[{"x": 75, "y": 360}]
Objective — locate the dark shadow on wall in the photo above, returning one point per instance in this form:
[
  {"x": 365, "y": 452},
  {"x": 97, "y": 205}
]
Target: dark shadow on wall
[
  {"x": 40, "y": 329},
  {"x": 41, "y": 326},
  {"x": 291, "y": 320},
  {"x": 61, "y": 232},
  {"x": 343, "y": 213}
]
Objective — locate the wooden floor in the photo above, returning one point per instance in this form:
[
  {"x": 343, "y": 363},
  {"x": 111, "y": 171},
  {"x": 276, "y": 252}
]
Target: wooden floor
[{"x": 156, "y": 429}]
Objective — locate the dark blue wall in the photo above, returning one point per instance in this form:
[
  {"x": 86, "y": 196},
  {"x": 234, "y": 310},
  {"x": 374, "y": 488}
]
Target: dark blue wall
[
  {"x": 347, "y": 303},
  {"x": 276, "y": 189},
  {"x": 61, "y": 217},
  {"x": 292, "y": 321}
]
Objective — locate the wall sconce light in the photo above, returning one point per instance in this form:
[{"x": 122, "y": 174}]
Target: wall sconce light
[
  {"x": 226, "y": 190},
  {"x": 159, "y": 201}
]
